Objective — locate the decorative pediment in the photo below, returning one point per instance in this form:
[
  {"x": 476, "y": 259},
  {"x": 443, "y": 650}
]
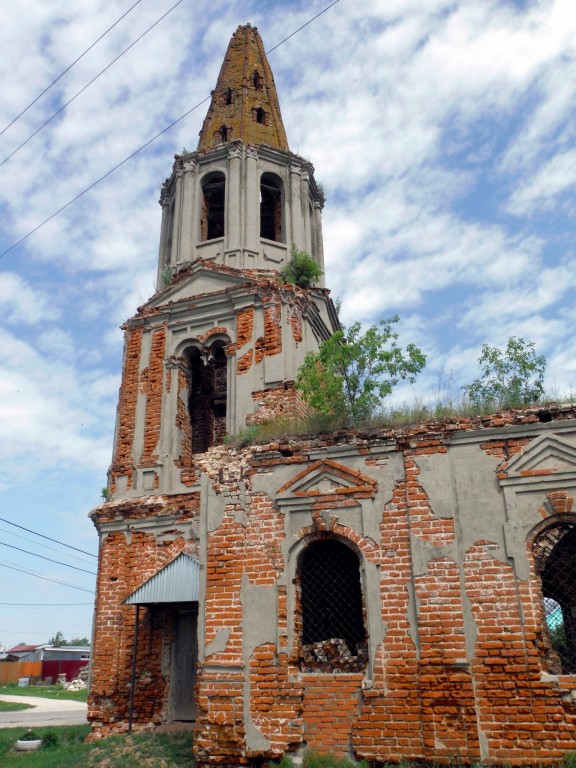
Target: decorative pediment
[
  {"x": 200, "y": 280},
  {"x": 549, "y": 456},
  {"x": 327, "y": 478}
]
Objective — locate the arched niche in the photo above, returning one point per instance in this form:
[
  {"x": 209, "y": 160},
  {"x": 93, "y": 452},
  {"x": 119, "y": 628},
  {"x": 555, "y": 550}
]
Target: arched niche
[
  {"x": 212, "y": 216},
  {"x": 207, "y": 398},
  {"x": 272, "y": 207}
]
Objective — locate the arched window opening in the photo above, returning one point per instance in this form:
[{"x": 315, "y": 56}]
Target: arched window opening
[
  {"x": 228, "y": 97},
  {"x": 258, "y": 80},
  {"x": 271, "y": 207},
  {"x": 260, "y": 116},
  {"x": 207, "y": 399},
  {"x": 555, "y": 560},
  {"x": 224, "y": 133},
  {"x": 333, "y": 635},
  {"x": 213, "y": 196}
]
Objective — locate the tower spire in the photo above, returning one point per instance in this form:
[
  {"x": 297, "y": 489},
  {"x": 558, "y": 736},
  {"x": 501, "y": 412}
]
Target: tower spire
[{"x": 244, "y": 103}]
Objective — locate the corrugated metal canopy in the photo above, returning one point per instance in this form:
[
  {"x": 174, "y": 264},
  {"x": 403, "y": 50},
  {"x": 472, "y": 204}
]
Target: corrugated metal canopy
[{"x": 177, "y": 582}]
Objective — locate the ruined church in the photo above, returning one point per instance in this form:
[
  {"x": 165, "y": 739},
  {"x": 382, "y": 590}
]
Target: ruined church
[{"x": 402, "y": 593}]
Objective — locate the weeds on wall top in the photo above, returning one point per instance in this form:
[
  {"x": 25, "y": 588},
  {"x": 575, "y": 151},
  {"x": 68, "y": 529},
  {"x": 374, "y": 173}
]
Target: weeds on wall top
[{"x": 301, "y": 270}]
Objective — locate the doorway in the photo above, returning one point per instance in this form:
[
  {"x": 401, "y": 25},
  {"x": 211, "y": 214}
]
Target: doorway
[{"x": 184, "y": 661}]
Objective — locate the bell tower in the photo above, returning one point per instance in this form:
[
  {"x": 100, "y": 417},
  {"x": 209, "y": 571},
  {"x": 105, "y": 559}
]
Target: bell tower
[
  {"x": 219, "y": 345},
  {"x": 242, "y": 198}
]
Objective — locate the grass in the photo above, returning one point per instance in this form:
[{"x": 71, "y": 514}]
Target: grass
[
  {"x": 13, "y": 706},
  {"x": 65, "y": 748},
  {"x": 392, "y": 417},
  {"x": 44, "y": 691}
]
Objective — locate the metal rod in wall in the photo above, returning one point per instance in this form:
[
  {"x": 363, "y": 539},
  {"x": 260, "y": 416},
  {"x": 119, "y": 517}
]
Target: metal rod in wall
[{"x": 133, "y": 674}]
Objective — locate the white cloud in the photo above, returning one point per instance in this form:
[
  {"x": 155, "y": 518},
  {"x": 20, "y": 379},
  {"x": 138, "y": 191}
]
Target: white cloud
[
  {"x": 543, "y": 190},
  {"x": 21, "y": 303}
]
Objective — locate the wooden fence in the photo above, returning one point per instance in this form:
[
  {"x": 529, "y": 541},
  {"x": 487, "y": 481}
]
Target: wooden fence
[{"x": 11, "y": 671}]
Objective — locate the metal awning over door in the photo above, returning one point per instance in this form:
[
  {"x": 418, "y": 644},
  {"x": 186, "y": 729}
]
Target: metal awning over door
[{"x": 177, "y": 582}]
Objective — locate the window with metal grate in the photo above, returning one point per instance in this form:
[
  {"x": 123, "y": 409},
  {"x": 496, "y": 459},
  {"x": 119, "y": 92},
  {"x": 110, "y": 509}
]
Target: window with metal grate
[
  {"x": 333, "y": 633},
  {"x": 555, "y": 558}
]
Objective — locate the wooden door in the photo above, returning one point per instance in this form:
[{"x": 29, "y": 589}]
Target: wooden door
[{"x": 184, "y": 659}]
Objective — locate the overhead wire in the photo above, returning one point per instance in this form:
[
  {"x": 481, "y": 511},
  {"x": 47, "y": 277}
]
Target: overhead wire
[
  {"x": 69, "y": 67},
  {"x": 29, "y": 530},
  {"x": 141, "y": 148},
  {"x": 13, "y": 567},
  {"x": 45, "y": 605},
  {"x": 63, "y": 107},
  {"x": 50, "y": 560},
  {"x": 44, "y": 546}
]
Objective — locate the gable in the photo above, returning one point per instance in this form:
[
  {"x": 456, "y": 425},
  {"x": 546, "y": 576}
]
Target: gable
[
  {"x": 547, "y": 456},
  {"x": 327, "y": 478},
  {"x": 201, "y": 280}
]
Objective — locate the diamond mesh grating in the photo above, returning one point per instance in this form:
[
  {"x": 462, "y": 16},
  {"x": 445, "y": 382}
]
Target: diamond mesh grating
[
  {"x": 555, "y": 560},
  {"x": 331, "y": 595}
]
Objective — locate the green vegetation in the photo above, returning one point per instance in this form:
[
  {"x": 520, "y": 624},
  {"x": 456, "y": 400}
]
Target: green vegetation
[
  {"x": 64, "y": 747},
  {"x": 13, "y": 706},
  {"x": 512, "y": 376},
  {"x": 314, "y": 759},
  {"x": 301, "y": 270},
  {"x": 44, "y": 691},
  {"x": 243, "y": 438},
  {"x": 59, "y": 641},
  {"x": 30, "y": 735},
  {"x": 353, "y": 372}
]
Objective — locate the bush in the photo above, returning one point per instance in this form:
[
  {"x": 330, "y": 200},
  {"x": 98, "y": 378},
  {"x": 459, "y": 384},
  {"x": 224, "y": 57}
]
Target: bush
[{"x": 301, "y": 270}]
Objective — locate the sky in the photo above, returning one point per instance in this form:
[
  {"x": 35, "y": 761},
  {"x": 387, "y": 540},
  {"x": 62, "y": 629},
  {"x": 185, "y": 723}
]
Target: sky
[{"x": 443, "y": 133}]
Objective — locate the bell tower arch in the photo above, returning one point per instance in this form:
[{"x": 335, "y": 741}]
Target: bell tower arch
[{"x": 219, "y": 345}]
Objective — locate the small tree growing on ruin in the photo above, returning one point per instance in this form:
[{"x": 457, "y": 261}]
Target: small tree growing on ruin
[
  {"x": 301, "y": 270},
  {"x": 353, "y": 372},
  {"x": 510, "y": 376}
]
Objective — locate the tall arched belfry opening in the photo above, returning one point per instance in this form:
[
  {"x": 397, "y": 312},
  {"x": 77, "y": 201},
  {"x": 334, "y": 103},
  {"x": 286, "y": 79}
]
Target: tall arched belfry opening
[{"x": 388, "y": 594}]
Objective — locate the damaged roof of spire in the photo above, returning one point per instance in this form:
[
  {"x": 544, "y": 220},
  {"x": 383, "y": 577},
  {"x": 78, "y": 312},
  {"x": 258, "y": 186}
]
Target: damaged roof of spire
[{"x": 244, "y": 103}]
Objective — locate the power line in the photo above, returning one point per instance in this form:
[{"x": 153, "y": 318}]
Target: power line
[
  {"x": 63, "y": 107},
  {"x": 47, "y": 537},
  {"x": 50, "y": 560},
  {"x": 61, "y": 75},
  {"x": 45, "y": 605},
  {"x": 269, "y": 51},
  {"x": 44, "y": 546},
  {"x": 40, "y": 576},
  {"x": 137, "y": 151}
]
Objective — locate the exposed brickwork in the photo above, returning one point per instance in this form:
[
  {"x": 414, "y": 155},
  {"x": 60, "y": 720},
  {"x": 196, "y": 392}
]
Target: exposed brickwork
[
  {"x": 271, "y": 342},
  {"x": 122, "y": 460},
  {"x": 126, "y": 560},
  {"x": 331, "y": 707},
  {"x": 522, "y": 719},
  {"x": 276, "y": 700},
  {"x": 280, "y": 401},
  {"x": 151, "y": 381},
  {"x": 244, "y": 327},
  {"x": 449, "y": 727},
  {"x": 183, "y": 424},
  {"x": 295, "y": 317},
  {"x": 423, "y": 696},
  {"x": 245, "y": 362}
]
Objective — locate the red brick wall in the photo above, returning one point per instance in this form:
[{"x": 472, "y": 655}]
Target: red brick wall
[
  {"x": 423, "y": 696},
  {"x": 126, "y": 560},
  {"x": 331, "y": 707},
  {"x": 122, "y": 459}
]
